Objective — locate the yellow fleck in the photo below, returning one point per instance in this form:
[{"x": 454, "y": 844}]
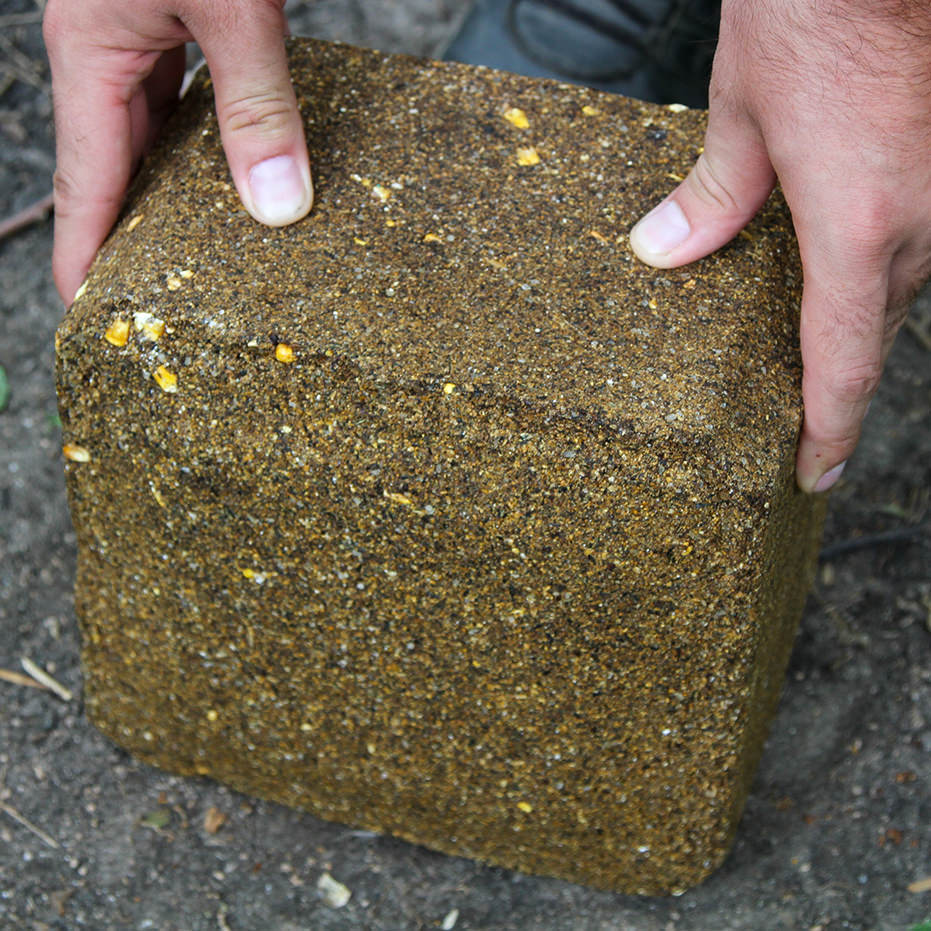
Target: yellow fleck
[
  {"x": 286, "y": 429},
  {"x": 148, "y": 326},
  {"x": 391, "y": 222},
  {"x": 248, "y": 573},
  {"x": 381, "y": 192},
  {"x": 173, "y": 283},
  {"x": 117, "y": 333},
  {"x": 589, "y": 110},
  {"x": 134, "y": 222},
  {"x": 76, "y": 453},
  {"x": 689, "y": 284},
  {"x": 80, "y": 292},
  {"x": 517, "y": 117},
  {"x": 449, "y": 388},
  {"x": 432, "y": 237},
  {"x": 284, "y": 353},
  {"x": 212, "y": 715},
  {"x": 596, "y": 235},
  {"x": 674, "y": 177},
  {"x": 652, "y": 303},
  {"x": 360, "y": 242},
  {"x": 528, "y": 156},
  {"x": 166, "y": 380},
  {"x": 371, "y": 748},
  {"x": 186, "y": 273},
  {"x": 525, "y": 807},
  {"x": 305, "y": 727},
  {"x": 397, "y": 497},
  {"x": 676, "y": 107},
  {"x": 157, "y": 495},
  {"x": 201, "y": 770}
]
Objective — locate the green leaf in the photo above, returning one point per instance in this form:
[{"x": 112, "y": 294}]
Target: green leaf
[
  {"x": 4, "y": 389},
  {"x": 924, "y": 926},
  {"x": 156, "y": 819}
]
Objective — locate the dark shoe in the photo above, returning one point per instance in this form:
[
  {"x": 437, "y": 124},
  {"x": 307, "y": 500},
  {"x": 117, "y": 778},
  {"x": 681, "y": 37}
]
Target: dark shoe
[{"x": 658, "y": 50}]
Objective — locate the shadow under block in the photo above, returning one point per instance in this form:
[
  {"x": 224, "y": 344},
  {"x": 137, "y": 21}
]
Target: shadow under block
[{"x": 437, "y": 513}]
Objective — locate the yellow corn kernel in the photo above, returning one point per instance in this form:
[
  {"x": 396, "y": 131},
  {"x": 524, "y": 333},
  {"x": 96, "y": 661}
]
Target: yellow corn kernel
[
  {"x": 528, "y": 156},
  {"x": 148, "y": 326},
  {"x": 76, "y": 453},
  {"x": 284, "y": 353},
  {"x": 166, "y": 380},
  {"x": 118, "y": 332},
  {"x": 589, "y": 110},
  {"x": 432, "y": 237},
  {"x": 517, "y": 117}
]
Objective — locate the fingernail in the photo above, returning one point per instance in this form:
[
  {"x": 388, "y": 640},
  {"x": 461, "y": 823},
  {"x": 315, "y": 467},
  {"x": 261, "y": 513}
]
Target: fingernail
[
  {"x": 829, "y": 478},
  {"x": 280, "y": 190},
  {"x": 660, "y": 231}
]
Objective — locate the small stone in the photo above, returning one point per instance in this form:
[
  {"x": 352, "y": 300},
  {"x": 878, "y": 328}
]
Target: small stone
[{"x": 334, "y": 893}]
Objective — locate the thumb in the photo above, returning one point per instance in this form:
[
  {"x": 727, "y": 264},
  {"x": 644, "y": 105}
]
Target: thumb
[
  {"x": 725, "y": 188},
  {"x": 260, "y": 124}
]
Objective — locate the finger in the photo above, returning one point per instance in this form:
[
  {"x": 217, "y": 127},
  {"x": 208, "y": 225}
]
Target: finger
[
  {"x": 162, "y": 88},
  {"x": 844, "y": 339},
  {"x": 725, "y": 188},
  {"x": 260, "y": 125},
  {"x": 93, "y": 134}
]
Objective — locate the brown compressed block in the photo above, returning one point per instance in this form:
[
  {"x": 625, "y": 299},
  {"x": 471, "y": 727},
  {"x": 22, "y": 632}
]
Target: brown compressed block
[{"x": 437, "y": 513}]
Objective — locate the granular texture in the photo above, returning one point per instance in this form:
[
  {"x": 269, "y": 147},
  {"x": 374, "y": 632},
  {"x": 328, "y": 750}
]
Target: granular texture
[{"x": 437, "y": 513}]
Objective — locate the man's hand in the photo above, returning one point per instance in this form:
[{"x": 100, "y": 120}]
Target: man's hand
[
  {"x": 117, "y": 66},
  {"x": 834, "y": 99}
]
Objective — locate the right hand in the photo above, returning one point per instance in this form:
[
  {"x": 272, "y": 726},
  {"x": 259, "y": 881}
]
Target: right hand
[{"x": 117, "y": 67}]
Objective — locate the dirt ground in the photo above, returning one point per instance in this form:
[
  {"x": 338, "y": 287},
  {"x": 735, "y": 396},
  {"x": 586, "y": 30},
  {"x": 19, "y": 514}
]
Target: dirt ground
[{"x": 836, "y": 829}]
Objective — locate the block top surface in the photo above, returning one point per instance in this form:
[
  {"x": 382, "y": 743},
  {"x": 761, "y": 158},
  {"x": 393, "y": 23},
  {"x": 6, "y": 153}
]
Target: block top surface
[{"x": 470, "y": 230}]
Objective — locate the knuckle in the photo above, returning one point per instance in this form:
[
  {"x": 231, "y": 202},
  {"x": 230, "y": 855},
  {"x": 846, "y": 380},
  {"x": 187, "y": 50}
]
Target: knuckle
[
  {"x": 64, "y": 190},
  {"x": 856, "y": 382},
  {"x": 267, "y": 114},
  {"x": 711, "y": 190}
]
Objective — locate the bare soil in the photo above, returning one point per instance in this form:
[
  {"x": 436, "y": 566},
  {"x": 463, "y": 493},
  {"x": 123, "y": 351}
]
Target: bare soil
[{"x": 836, "y": 829}]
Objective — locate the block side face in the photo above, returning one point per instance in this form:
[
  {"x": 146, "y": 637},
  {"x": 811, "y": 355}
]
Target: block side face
[
  {"x": 470, "y": 566},
  {"x": 462, "y": 627}
]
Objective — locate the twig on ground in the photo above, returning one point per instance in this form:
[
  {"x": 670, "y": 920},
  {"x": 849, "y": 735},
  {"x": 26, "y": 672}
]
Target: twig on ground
[
  {"x": 26, "y": 823},
  {"x": 20, "y": 19},
  {"x": 31, "y": 214},
  {"x": 21, "y": 66},
  {"x": 42, "y": 676},
  {"x": 17, "y": 678},
  {"x": 918, "y": 332},
  {"x": 903, "y": 535}
]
